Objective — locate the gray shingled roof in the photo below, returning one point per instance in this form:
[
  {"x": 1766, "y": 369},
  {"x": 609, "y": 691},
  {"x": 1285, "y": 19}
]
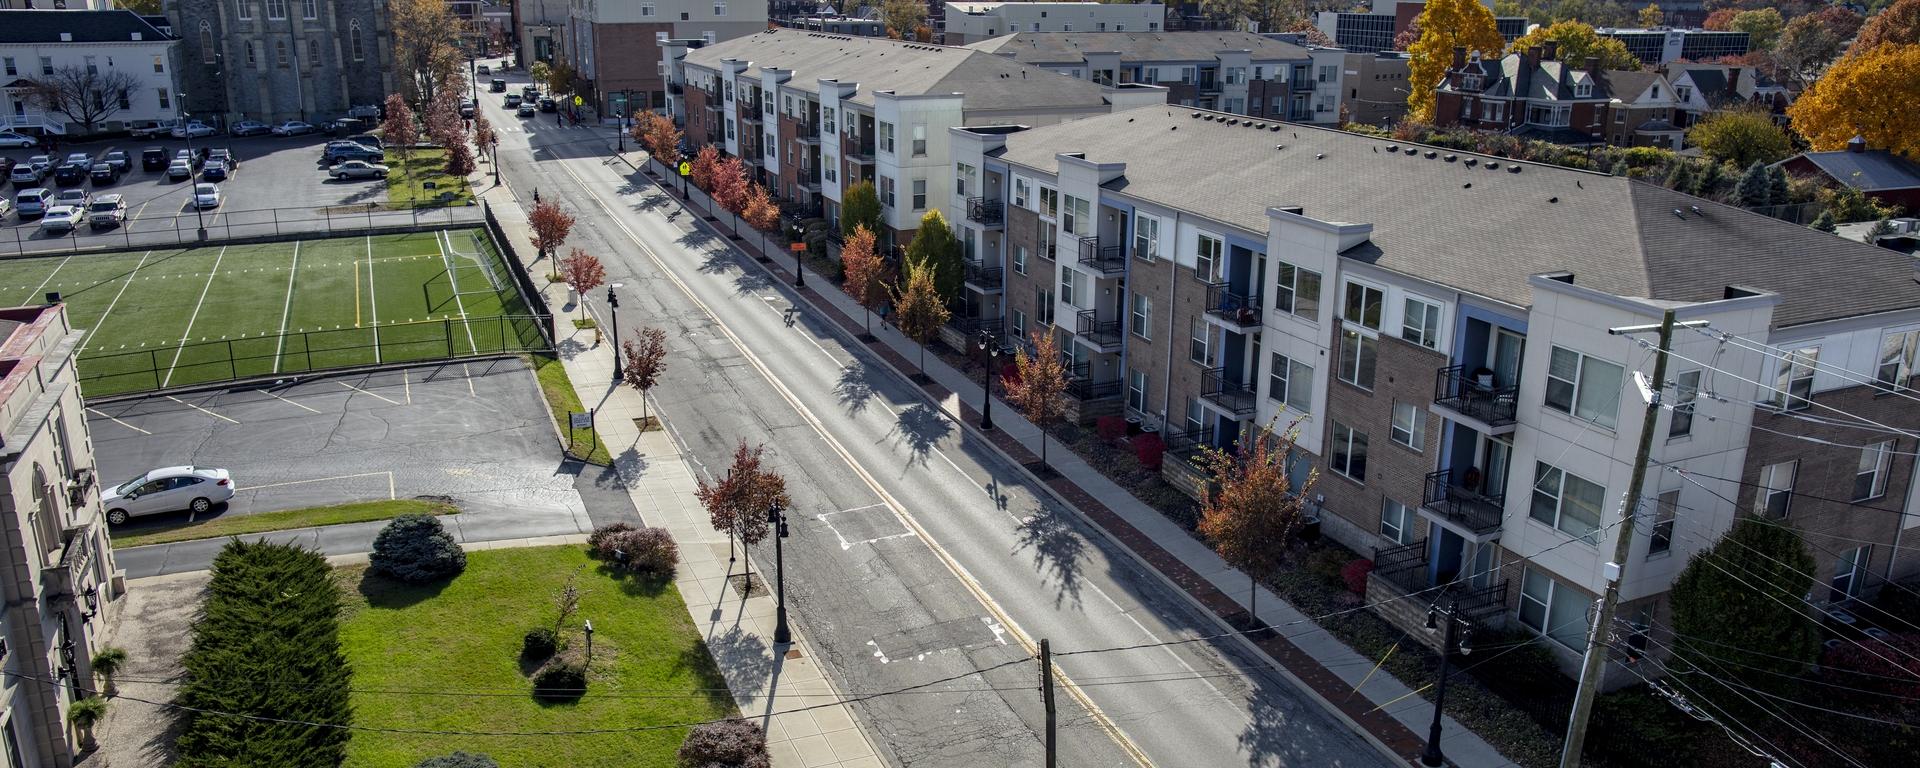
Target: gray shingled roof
[
  {"x": 1506, "y": 77},
  {"x": 46, "y": 26},
  {"x": 990, "y": 82},
  {"x": 1874, "y": 170},
  {"x": 1480, "y": 230},
  {"x": 1623, "y": 84},
  {"x": 1136, "y": 47}
]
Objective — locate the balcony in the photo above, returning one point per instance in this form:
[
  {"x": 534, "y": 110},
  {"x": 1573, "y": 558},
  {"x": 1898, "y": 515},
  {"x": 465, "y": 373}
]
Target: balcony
[
  {"x": 1404, "y": 571},
  {"x": 807, "y": 132},
  {"x": 1452, "y": 497},
  {"x": 750, "y": 116},
  {"x": 983, "y": 278},
  {"x": 985, "y": 211},
  {"x": 1103, "y": 335},
  {"x": 1105, "y": 259},
  {"x": 1208, "y": 84},
  {"x": 1237, "y": 310},
  {"x": 1474, "y": 396},
  {"x": 1082, "y": 387},
  {"x": 1189, "y": 444},
  {"x": 1235, "y": 397},
  {"x": 858, "y": 152},
  {"x": 676, "y": 89}
]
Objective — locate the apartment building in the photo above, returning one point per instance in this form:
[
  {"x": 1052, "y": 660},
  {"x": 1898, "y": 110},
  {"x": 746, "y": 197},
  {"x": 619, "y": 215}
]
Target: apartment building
[
  {"x": 615, "y": 45},
  {"x": 1374, "y": 87},
  {"x": 273, "y": 60},
  {"x": 813, "y": 113},
  {"x": 1232, "y": 71},
  {"x": 837, "y": 25},
  {"x": 972, "y": 22},
  {"x": 37, "y": 44},
  {"x": 1434, "y": 324},
  {"x": 60, "y": 575},
  {"x": 1374, "y": 30},
  {"x": 541, "y": 29},
  {"x": 1661, "y": 45}
]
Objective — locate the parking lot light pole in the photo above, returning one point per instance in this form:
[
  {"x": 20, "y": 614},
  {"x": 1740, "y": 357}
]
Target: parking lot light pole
[
  {"x": 613, "y": 310},
  {"x": 186, "y": 129},
  {"x": 777, "y": 517}
]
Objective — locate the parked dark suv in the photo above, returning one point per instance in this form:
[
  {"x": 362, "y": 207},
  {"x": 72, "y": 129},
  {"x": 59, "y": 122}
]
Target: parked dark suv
[{"x": 154, "y": 159}]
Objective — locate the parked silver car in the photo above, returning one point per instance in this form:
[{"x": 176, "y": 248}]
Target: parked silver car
[{"x": 168, "y": 489}]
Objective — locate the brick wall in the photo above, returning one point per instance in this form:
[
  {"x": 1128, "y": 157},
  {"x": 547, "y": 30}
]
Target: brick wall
[
  {"x": 696, "y": 117},
  {"x": 1189, "y": 305},
  {"x": 1404, "y": 373},
  {"x": 790, "y": 150},
  {"x": 1022, "y": 231},
  {"x": 1153, "y": 280},
  {"x": 627, "y": 58}
]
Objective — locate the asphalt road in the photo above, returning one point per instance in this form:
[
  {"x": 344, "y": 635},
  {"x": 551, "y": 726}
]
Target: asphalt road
[{"x": 916, "y": 551}]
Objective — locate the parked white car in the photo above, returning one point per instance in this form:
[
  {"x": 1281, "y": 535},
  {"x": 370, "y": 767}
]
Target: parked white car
[
  {"x": 60, "y": 219},
  {"x": 359, "y": 169},
  {"x": 195, "y": 129},
  {"x": 206, "y": 195},
  {"x": 169, "y": 489}
]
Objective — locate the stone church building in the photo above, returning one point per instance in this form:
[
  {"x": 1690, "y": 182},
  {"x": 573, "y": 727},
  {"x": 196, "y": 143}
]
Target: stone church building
[{"x": 273, "y": 60}]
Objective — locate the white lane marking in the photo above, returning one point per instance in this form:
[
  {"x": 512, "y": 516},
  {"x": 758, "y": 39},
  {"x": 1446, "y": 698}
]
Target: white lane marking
[
  {"x": 202, "y": 410},
  {"x": 389, "y": 475},
  {"x": 406, "y": 385},
  {"x": 119, "y": 422},
  {"x": 286, "y": 310},
  {"x": 116, "y": 300},
  {"x": 364, "y": 392},
  {"x": 292, "y": 403},
  {"x": 469, "y": 372},
  {"x": 211, "y": 274}
]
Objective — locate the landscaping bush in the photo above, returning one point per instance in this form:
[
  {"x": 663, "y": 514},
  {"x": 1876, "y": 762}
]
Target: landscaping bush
[
  {"x": 539, "y": 644},
  {"x": 1110, "y": 428},
  {"x": 1650, "y": 719},
  {"x": 561, "y": 679},
  {"x": 458, "y": 760},
  {"x": 415, "y": 549},
  {"x": 1149, "y": 449},
  {"x": 597, "y": 541},
  {"x": 731, "y": 743},
  {"x": 651, "y": 551},
  {"x": 271, "y": 613},
  {"x": 1354, "y": 575}
]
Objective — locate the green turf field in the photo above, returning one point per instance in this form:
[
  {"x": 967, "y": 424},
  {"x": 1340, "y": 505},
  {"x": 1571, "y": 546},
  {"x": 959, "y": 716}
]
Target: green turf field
[{"x": 169, "y": 318}]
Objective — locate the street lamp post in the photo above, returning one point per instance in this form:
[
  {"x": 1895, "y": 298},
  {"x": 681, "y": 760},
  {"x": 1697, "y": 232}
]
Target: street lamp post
[
  {"x": 777, "y": 517},
  {"x": 1431, "y": 757},
  {"x": 186, "y": 129},
  {"x": 990, "y": 345},
  {"x": 799, "y": 268},
  {"x": 613, "y": 317},
  {"x": 620, "y": 134}
]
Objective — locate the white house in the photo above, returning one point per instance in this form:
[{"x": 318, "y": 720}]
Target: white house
[{"x": 38, "y": 43}]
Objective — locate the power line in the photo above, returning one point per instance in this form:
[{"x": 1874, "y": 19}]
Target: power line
[
  {"x": 1684, "y": 472},
  {"x": 1776, "y": 673},
  {"x": 1791, "y": 721},
  {"x": 1698, "y": 712},
  {"x": 1782, "y": 353},
  {"x": 1779, "y": 562},
  {"x": 1809, "y": 400}
]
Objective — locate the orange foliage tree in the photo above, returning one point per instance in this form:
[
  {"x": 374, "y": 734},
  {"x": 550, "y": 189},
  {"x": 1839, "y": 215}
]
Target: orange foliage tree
[{"x": 1255, "y": 515}]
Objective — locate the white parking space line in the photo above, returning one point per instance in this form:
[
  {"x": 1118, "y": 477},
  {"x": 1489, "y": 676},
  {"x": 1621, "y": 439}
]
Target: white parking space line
[
  {"x": 188, "y": 333},
  {"x": 406, "y": 385},
  {"x": 469, "y": 372},
  {"x": 292, "y": 403},
  {"x": 388, "y": 474},
  {"x": 119, "y": 422},
  {"x": 202, "y": 410},
  {"x": 372, "y": 306},
  {"x": 364, "y": 392}
]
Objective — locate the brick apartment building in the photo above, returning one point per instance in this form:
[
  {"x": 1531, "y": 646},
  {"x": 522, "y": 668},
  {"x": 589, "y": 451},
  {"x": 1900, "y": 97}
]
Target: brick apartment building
[
  {"x": 814, "y": 113},
  {"x": 1435, "y": 324},
  {"x": 615, "y": 45}
]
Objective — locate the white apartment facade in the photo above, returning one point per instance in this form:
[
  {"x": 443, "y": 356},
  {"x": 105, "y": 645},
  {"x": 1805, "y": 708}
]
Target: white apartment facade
[{"x": 36, "y": 44}]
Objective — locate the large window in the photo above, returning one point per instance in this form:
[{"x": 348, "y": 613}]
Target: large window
[
  {"x": 1396, "y": 521},
  {"x": 353, "y": 42},
  {"x": 1793, "y": 378},
  {"x": 886, "y": 137},
  {"x": 1686, "y": 391},
  {"x": 1567, "y": 502},
  {"x": 1050, "y": 202},
  {"x": 1290, "y": 382},
  {"x": 1019, "y": 259},
  {"x": 1358, "y": 353},
  {"x": 1146, "y": 238},
  {"x": 1020, "y": 188},
  {"x": 886, "y": 186},
  {"x": 1870, "y": 480},
  {"x": 1209, "y": 261},
  {"x": 1044, "y": 312},
  {"x": 1774, "y": 497},
  {"x": 1362, "y": 307},
  {"x": 1079, "y": 219},
  {"x": 1198, "y": 349},
  {"x": 920, "y": 141},
  {"x": 1421, "y": 325},
  {"x": 1554, "y": 609},
  {"x": 1664, "y": 513},
  {"x": 1349, "y": 453},
  {"x": 1585, "y": 387},
  {"x": 1137, "y": 390},
  {"x": 1298, "y": 291},
  {"x": 1896, "y": 358},
  {"x": 1141, "y": 322},
  {"x": 919, "y": 194},
  {"x": 309, "y": 9},
  {"x": 1409, "y": 425},
  {"x": 1850, "y": 573},
  {"x": 276, "y": 9}
]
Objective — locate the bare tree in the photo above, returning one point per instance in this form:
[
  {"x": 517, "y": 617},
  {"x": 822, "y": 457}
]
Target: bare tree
[{"x": 86, "y": 95}]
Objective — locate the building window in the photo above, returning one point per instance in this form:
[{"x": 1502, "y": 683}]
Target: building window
[
  {"x": 1396, "y": 521},
  {"x": 886, "y": 189},
  {"x": 1775, "y": 494},
  {"x": 1584, "y": 387},
  {"x": 919, "y": 194},
  {"x": 920, "y": 140},
  {"x": 280, "y": 52},
  {"x": 1078, "y": 218},
  {"x": 1019, "y": 324},
  {"x": 719, "y": 9},
  {"x": 1137, "y": 390},
  {"x": 1146, "y": 238},
  {"x": 1554, "y": 609},
  {"x": 1793, "y": 379},
  {"x": 1198, "y": 343},
  {"x": 1409, "y": 425},
  {"x": 1298, "y": 291},
  {"x": 46, "y": 65},
  {"x": 159, "y": 65},
  {"x": 826, "y": 120},
  {"x": 1896, "y": 359},
  {"x": 276, "y": 9},
  {"x": 1349, "y": 453},
  {"x": 1142, "y": 320},
  {"x": 246, "y": 10},
  {"x": 1357, "y": 356},
  {"x": 1686, "y": 390},
  {"x": 126, "y": 99},
  {"x": 14, "y": 71},
  {"x": 1066, "y": 286},
  {"x": 886, "y": 137},
  {"x": 1208, "y": 262},
  {"x": 166, "y": 98},
  {"x": 1422, "y": 323},
  {"x": 1870, "y": 479},
  {"x": 1567, "y": 502},
  {"x": 1050, "y": 202},
  {"x": 1661, "y": 539},
  {"x": 1849, "y": 573},
  {"x": 251, "y": 61},
  {"x": 1019, "y": 259},
  {"x": 1290, "y": 382},
  {"x": 309, "y": 9},
  {"x": 353, "y": 40},
  {"x": 1363, "y": 306},
  {"x": 93, "y": 64},
  {"x": 313, "y": 52},
  {"x": 1019, "y": 192},
  {"x": 1044, "y": 312},
  {"x": 962, "y": 176}
]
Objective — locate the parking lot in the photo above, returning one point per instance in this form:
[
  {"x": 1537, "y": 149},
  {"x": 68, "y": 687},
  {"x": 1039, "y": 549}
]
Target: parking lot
[
  {"x": 477, "y": 432},
  {"x": 277, "y": 177}
]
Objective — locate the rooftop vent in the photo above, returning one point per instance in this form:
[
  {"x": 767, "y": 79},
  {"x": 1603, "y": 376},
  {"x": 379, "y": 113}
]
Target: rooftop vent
[
  {"x": 1682, "y": 215},
  {"x": 1432, "y": 154},
  {"x": 1553, "y": 199},
  {"x": 1233, "y": 121},
  {"x": 1275, "y": 128},
  {"x": 1472, "y": 161},
  {"x": 1451, "y": 158},
  {"x": 1319, "y": 155},
  {"x": 1696, "y": 210},
  {"x": 1468, "y": 185},
  {"x": 1513, "y": 168},
  {"x": 1393, "y": 147},
  {"x": 1493, "y": 166},
  {"x": 1196, "y": 114},
  {"x": 1279, "y": 146}
]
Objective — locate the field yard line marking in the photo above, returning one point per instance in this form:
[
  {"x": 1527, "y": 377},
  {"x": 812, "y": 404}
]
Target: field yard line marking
[
  {"x": 119, "y": 422},
  {"x": 372, "y": 305},
  {"x": 195, "y": 316},
  {"x": 43, "y": 283},
  {"x": 292, "y": 403},
  {"x": 286, "y": 310},
  {"x": 200, "y": 409},
  {"x": 116, "y": 300},
  {"x": 356, "y": 293},
  {"x": 364, "y": 392},
  {"x": 469, "y": 372},
  {"x": 444, "y": 245},
  {"x": 325, "y": 479}
]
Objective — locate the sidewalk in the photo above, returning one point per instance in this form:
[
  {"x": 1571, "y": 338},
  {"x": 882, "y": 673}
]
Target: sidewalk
[
  {"x": 1315, "y": 659},
  {"x": 737, "y": 631}
]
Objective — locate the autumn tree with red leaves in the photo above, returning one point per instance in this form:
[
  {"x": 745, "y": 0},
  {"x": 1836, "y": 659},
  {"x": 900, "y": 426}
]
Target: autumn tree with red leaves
[
  {"x": 550, "y": 227},
  {"x": 759, "y": 210},
  {"x": 646, "y": 360},
  {"x": 1255, "y": 515},
  {"x": 730, "y": 185},
  {"x": 737, "y": 503},
  {"x": 582, "y": 272},
  {"x": 866, "y": 273}
]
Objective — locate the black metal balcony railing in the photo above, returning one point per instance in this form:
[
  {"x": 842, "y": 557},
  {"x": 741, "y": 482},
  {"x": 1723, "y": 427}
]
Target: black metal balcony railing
[
  {"x": 974, "y": 326},
  {"x": 1474, "y": 394},
  {"x": 859, "y": 152},
  {"x": 1082, "y": 387},
  {"x": 984, "y": 210},
  {"x": 1236, "y": 308},
  {"x": 1106, "y": 259},
  {"x": 1190, "y": 443},
  {"x": 676, "y": 88},
  {"x": 1208, "y": 85},
  {"x": 807, "y": 130},
  {"x": 750, "y": 116},
  {"x": 1237, "y": 397},
  {"x": 1407, "y": 569},
  {"x": 1451, "y": 495},
  {"x": 981, "y": 276},
  {"x": 1101, "y": 333}
]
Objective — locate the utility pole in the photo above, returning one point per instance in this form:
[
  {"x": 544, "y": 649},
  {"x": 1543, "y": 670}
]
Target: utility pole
[
  {"x": 1614, "y": 571},
  {"x": 1046, "y": 696}
]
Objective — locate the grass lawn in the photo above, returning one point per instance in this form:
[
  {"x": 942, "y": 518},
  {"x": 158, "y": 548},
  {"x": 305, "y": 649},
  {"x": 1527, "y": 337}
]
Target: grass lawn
[
  {"x": 178, "y": 317},
  {"x": 235, "y": 525},
  {"x": 562, "y": 400},
  {"x": 649, "y": 665},
  {"x": 406, "y": 183}
]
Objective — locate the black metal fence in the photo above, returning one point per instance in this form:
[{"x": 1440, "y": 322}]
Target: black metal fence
[
  {"x": 186, "y": 228},
  {"x": 510, "y": 253}
]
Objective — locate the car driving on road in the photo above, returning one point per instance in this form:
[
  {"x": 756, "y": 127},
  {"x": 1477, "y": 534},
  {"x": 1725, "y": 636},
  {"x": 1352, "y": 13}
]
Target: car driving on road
[{"x": 168, "y": 489}]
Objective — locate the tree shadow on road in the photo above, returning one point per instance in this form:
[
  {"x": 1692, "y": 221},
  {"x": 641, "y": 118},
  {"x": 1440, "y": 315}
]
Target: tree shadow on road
[
  {"x": 751, "y": 282},
  {"x": 650, "y": 202},
  {"x": 1058, "y": 552},
  {"x": 921, "y": 428},
  {"x": 854, "y": 388},
  {"x": 1271, "y": 736}
]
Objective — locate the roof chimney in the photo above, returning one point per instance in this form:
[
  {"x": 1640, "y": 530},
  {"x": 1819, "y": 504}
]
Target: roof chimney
[
  {"x": 1857, "y": 144},
  {"x": 1459, "y": 56},
  {"x": 1552, "y": 49},
  {"x": 1593, "y": 65}
]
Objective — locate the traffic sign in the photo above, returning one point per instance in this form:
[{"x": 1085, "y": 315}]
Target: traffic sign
[{"x": 686, "y": 168}]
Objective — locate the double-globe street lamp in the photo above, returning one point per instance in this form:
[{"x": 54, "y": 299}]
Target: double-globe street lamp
[
  {"x": 1431, "y": 757},
  {"x": 990, "y": 344},
  {"x": 613, "y": 319}
]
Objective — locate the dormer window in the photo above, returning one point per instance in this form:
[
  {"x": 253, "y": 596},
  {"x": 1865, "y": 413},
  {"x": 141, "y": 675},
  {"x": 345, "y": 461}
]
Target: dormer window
[
  {"x": 1583, "y": 90},
  {"x": 1470, "y": 82}
]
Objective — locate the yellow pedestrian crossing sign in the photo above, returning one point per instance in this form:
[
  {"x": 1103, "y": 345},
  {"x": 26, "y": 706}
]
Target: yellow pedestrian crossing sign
[
  {"x": 685, "y": 168},
  {"x": 577, "y": 101}
]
